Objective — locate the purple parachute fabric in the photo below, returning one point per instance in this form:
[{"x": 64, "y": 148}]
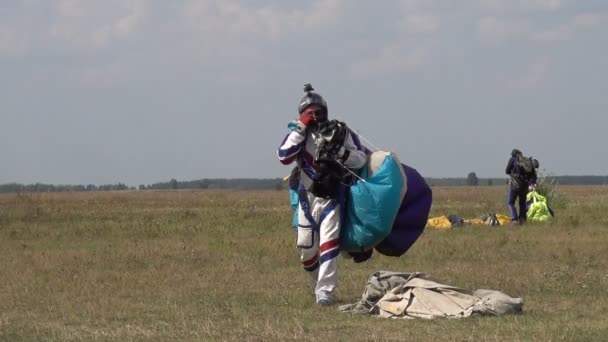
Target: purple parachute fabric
[{"x": 411, "y": 217}]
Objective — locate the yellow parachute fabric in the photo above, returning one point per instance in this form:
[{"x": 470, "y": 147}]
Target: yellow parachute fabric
[
  {"x": 502, "y": 219},
  {"x": 442, "y": 222},
  {"x": 538, "y": 210}
]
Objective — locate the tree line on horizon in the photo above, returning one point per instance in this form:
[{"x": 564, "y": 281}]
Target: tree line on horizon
[{"x": 272, "y": 184}]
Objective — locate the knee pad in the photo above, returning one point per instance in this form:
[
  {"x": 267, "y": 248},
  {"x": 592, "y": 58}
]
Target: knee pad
[{"x": 306, "y": 237}]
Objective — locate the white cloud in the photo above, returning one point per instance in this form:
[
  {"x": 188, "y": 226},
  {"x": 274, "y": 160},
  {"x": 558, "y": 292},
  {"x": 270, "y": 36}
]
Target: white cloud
[
  {"x": 534, "y": 76},
  {"x": 104, "y": 75},
  {"x": 395, "y": 58},
  {"x": 238, "y": 37},
  {"x": 494, "y": 29},
  {"x": 420, "y": 23},
  {"x": 11, "y": 43},
  {"x": 411, "y": 5},
  {"x": 525, "y": 5},
  {"x": 589, "y": 20},
  {"x": 492, "y": 4},
  {"x": 95, "y": 24},
  {"x": 222, "y": 19},
  {"x": 580, "y": 22},
  {"x": 71, "y": 8},
  {"x": 561, "y": 33},
  {"x": 239, "y": 77},
  {"x": 550, "y": 5}
]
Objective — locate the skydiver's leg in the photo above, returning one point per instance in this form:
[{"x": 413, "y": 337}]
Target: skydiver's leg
[
  {"x": 522, "y": 205},
  {"x": 308, "y": 246},
  {"x": 327, "y": 213},
  {"x": 511, "y": 196}
]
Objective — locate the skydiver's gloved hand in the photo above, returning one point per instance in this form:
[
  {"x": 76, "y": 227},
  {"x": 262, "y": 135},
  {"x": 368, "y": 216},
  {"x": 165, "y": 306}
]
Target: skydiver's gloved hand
[{"x": 307, "y": 117}]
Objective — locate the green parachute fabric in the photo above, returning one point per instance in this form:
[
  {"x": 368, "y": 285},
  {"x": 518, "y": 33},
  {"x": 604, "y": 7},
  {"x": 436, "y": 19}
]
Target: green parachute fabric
[
  {"x": 372, "y": 205},
  {"x": 538, "y": 210}
]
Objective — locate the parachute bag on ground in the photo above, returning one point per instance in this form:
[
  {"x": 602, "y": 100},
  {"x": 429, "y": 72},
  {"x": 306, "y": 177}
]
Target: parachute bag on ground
[{"x": 373, "y": 205}]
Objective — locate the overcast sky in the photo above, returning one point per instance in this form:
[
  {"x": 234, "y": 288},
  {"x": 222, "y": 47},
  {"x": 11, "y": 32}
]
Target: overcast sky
[{"x": 138, "y": 91}]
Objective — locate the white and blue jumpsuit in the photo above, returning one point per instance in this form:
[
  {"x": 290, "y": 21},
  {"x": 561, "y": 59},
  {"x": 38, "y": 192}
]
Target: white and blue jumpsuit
[{"x": 318, "y": 218}]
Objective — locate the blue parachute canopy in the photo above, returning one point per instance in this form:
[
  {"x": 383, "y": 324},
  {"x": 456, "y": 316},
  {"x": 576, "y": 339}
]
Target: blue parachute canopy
[{"x": 371, "y": 206}]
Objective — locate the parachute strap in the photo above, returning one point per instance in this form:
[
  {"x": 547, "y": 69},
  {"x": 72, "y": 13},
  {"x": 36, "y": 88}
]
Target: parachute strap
[
  {"x": 305, "y": 204},
  {"x": 332, "y": 206}
]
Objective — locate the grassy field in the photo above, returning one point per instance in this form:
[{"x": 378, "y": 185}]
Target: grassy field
[{"x": 221, "y": 266}]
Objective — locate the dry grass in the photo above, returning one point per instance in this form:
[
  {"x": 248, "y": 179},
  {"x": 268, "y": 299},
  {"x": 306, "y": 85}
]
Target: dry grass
[{"x": 220, "y": 266}]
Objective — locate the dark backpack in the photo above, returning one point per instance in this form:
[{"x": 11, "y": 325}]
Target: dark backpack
[{"x": 526, "y": 166}]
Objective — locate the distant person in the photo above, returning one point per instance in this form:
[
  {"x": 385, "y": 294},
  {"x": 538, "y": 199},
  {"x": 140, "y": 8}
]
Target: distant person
[
  {"x": 522, "y": 172},
  {"x": 323, "y": 150}
]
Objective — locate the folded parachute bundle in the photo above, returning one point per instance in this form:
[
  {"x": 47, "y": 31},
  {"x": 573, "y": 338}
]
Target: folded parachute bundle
[
  {"x": 418, "y": 295},
  {"x": 387, "y": 208},
  {"x": 373, "y": 202}
]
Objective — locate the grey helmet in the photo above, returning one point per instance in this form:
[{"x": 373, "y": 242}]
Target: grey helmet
[{"x": 312, "y": 98}]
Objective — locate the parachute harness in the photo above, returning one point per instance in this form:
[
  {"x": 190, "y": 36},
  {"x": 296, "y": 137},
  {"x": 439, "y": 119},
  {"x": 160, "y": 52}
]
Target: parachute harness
[{"x": 305, "y": 204}]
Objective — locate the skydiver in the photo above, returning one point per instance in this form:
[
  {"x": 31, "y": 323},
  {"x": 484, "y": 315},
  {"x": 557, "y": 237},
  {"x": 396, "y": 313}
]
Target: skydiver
[{"x": 322, "y": 159}]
